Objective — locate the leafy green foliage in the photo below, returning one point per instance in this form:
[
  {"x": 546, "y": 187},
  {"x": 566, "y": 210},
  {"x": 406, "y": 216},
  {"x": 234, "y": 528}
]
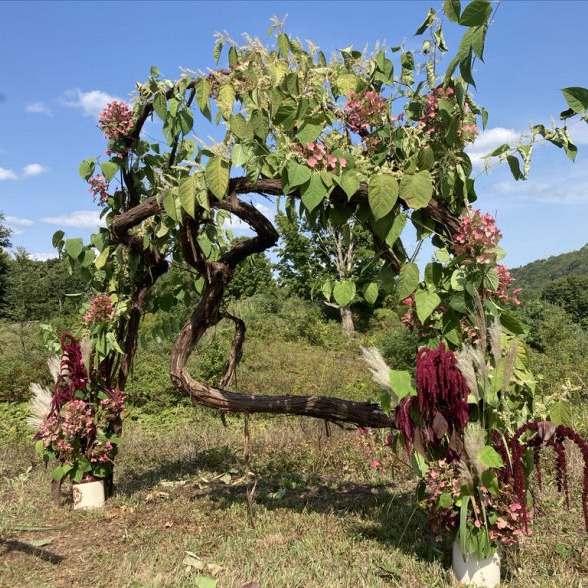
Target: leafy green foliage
[{"x": 570, "y": 293}]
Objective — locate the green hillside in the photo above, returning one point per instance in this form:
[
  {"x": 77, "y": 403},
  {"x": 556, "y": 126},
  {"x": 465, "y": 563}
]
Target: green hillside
[{"x": 538, "y": 274}]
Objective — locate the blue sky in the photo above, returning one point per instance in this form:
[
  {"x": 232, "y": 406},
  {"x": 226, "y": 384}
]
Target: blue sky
[{"x": 62, "y": 61}]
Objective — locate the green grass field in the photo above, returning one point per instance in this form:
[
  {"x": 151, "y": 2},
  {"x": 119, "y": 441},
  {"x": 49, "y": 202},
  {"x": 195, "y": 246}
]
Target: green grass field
[{"x": 302, "y": 508}]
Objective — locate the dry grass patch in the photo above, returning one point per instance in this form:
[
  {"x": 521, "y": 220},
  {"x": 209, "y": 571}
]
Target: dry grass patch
[{"x": 321, "y": 515}]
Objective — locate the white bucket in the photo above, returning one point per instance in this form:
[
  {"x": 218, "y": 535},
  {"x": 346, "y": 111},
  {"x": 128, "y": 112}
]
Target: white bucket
[
  {"x": 88, "y": 494},
  {"x": 484, "y": 573}
]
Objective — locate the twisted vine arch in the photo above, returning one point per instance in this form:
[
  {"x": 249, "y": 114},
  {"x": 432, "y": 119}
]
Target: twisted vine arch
[{"x": 380, "y": 137}]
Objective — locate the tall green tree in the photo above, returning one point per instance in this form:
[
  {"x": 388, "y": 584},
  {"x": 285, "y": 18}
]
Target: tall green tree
[
  {"x": 5, "y": 243},
  {"x": 322, "y": 258},
  {"x": 570, "y": 293}
]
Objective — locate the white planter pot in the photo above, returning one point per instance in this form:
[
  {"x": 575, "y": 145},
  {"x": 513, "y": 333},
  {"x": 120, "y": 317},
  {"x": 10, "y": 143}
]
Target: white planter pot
[
  {"x": 484, "y": 573},
  {"x": 88, "y": 494}
]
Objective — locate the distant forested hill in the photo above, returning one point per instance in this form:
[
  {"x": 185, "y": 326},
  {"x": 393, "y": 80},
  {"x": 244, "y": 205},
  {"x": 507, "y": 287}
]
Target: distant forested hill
[{"x": 539, "y": 274}]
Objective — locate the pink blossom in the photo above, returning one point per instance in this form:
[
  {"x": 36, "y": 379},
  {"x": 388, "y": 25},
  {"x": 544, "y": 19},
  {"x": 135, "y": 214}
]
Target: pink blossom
[
  {"x": 364, "y": 110},
  {"x": 477, "y": 237},
  {"x": 318, "y": 157},
  {"x": 116, "y": 120},
  {"x": 100, "y": 309},
  {"x": 99, "y": 188}
]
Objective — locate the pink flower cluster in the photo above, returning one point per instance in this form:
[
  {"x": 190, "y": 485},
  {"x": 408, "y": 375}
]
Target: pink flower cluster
[
  {"x": 503, "y": 512},
  {"x": 67, "y": 430},
  {"x": 98, "y": 188},
  {"x": 432, "y": 121},
  {"x": 504, "y": 292},
  {"x": 116, "y": 120},
  {"x": 100, "y": 309},
  {"x": 318, "y": 157},
  {"x": 430, "y": 112},
  {"x": 364, "y": 110},
  {"x": 476, "y": 237}
]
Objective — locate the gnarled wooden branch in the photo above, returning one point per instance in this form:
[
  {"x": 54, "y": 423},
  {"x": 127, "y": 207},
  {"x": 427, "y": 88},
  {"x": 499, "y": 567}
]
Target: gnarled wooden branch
[{"x": 208, "y": 311}]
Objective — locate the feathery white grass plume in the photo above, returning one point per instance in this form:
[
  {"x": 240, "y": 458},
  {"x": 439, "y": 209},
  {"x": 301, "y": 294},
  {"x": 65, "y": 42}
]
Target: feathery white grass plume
[
  {"x": 469, "y": 361},
  {"x": 40, "y": 402},
  {"x": 495, "y": 336},
  {"x": 474, "y": 440},
  {"x": 54, "y": 366},
  {"x": 86, "y": 348},
  {"x": 38, "y": 405},
  {"x": 380, "y": 370}
]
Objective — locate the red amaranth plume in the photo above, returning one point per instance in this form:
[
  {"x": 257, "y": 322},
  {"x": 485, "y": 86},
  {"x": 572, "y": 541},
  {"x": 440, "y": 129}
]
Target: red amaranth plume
[
  {"x": 441, "y": 387},
  {"x": 441, "y": 400},
  {"x": 72, "y": 372},
  {"x": 544, "y": 432}
]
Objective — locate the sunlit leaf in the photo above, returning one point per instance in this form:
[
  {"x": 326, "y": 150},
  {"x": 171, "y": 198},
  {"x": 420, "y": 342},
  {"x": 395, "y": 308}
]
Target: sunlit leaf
[
  {"x": 408, "y": 280},
  {"x": 108, "y": 169},
  {"x": 401, "y": 383},
  {"x": 298, "y": 174},
  {"x": 560, "y": 413},
  {"x": 490, "y": 457},
  {"x": 475, "y": 13},
  {"x": 370, "y": 292},
  {"x": 382, "y": 194},
  {"x": 216, "y": 174},
  {"x": 225, "y": 99},
  {"x": 73, "y": 247},
  {"x": 577, "y": 98},
  {"x": 452, "y": 9},
  {"x": 86, "y": 168},
  {"x": 416, "y": 189},
  {"x": 425, "y": 303},
  {"x": 187, "y": 194},
  {"x": 312, "y": 192},
  {"x": 344, "y": 292}
]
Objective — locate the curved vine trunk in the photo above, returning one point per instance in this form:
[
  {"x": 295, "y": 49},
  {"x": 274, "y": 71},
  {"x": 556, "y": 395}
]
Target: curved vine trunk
[{"x": 208, "y": 311}]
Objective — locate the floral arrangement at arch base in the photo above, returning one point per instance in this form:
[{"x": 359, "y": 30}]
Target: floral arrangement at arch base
[
  {"x": 467, "y": 416},
  {"x": 77, "y": 428}
]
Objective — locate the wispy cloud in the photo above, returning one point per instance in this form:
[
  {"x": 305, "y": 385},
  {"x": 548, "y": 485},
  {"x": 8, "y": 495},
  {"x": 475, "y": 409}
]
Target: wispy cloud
[
  {"x": 17, "y": 224},
  {"x": 38, "y": 108},
  {"x": 30, "y": 169},
  {"x": 569, "y": 187},
  {"x": 20, "y": 222},
  {"x": 7, "y": 174},
  {"x": 91, "y": 103},
  {"x": 487, "y": 141},
  {"x": 33, "y": 169},
  {"x": 80, "y": 219},
  {"x": 43, "y": 256}
]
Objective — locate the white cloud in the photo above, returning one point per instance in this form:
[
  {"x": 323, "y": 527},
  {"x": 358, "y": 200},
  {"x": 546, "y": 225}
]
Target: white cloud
[
  {"x": 7, "y": 174},
  {"x": 38, "y": 108},
  {"x": 33, "y": 169},
  {"x": 559, "y": 186},
  {"x": 80, "y": 219},
  {"x": 43, "y": 256},
  {"x": 487, "y": 141},
  {"x": 19, "y": 222},
  {"x": 30, "y": 169},
  {"x": 91, "y": 103}
]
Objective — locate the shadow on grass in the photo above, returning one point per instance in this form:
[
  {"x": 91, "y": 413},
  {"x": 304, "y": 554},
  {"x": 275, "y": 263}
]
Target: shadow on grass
[
  {"x": 384, "y": 512},
  {"x": 216, "y": 459},
  {"x": 11, "y": 545}
]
